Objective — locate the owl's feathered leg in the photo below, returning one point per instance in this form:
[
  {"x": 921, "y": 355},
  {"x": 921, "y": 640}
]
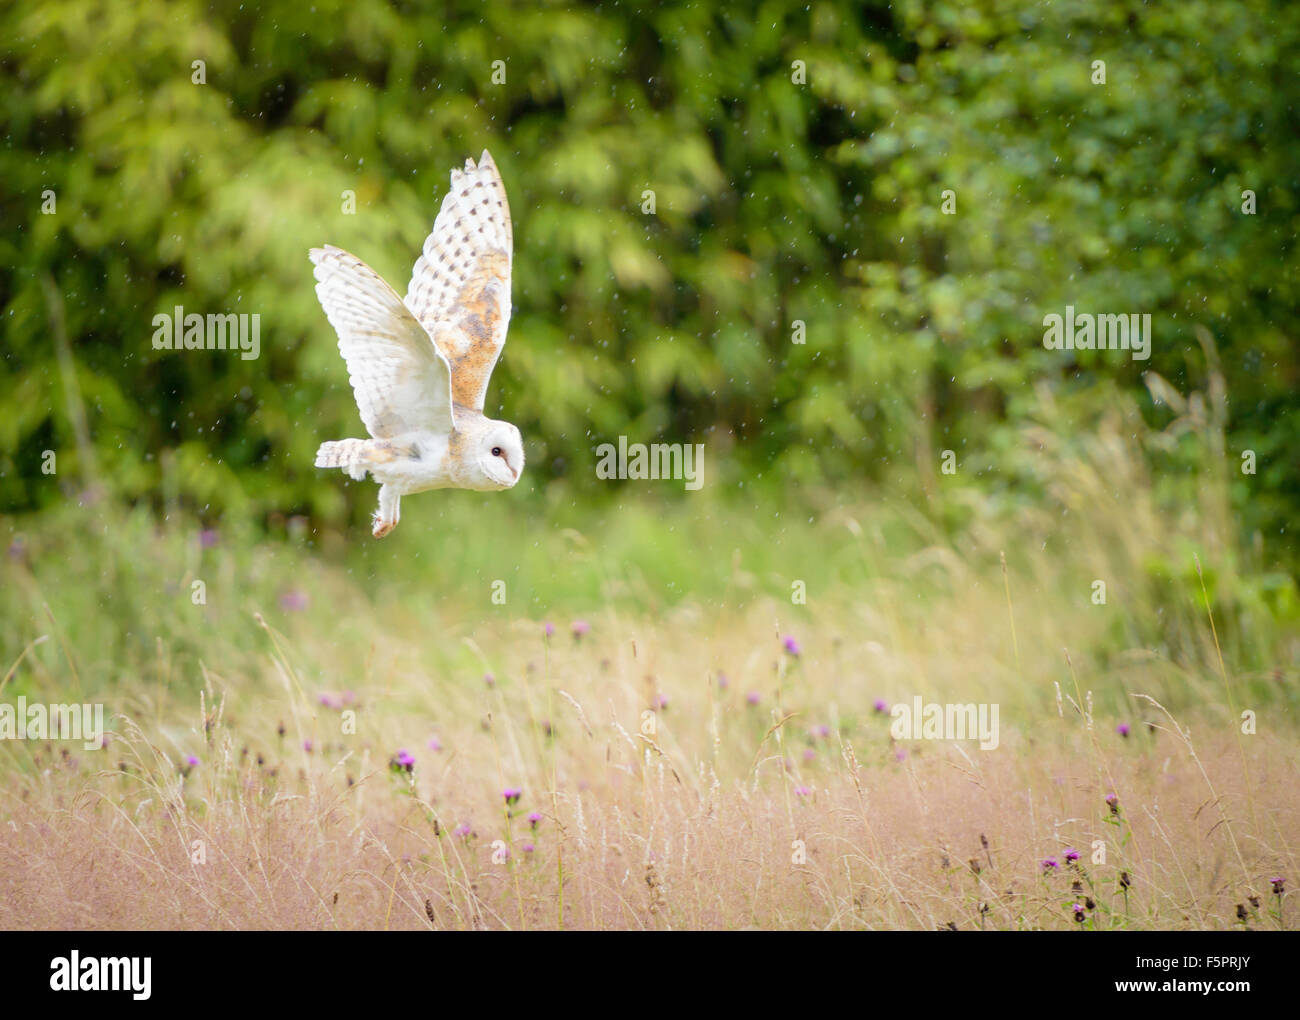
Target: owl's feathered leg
[{"x": 389, "y": 512}]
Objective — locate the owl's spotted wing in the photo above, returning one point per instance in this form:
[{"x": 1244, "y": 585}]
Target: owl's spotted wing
[
  {"x": 460, "y": 287},
  {"x": 400, "y": 379}
]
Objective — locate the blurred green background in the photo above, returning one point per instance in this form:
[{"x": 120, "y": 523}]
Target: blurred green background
[{"x": 777, "y": 201}]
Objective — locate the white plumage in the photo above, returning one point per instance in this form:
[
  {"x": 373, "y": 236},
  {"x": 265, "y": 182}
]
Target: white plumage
[{"x": 420, "y": 366}]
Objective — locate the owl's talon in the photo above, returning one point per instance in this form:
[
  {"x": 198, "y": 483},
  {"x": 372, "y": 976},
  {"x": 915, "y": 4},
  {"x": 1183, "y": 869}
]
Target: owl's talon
[{"x": 382, "y": 527}]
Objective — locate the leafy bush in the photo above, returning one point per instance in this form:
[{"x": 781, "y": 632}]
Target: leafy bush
[{"x": 775, "y": 201}]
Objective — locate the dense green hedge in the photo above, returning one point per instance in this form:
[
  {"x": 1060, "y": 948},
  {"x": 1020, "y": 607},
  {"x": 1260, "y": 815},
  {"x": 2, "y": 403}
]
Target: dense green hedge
[{"x": 775, "y": 200}]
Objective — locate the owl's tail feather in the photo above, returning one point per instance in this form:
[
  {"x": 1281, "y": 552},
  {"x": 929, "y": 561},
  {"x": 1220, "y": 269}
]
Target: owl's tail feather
[{"x": 352, "y": 455}]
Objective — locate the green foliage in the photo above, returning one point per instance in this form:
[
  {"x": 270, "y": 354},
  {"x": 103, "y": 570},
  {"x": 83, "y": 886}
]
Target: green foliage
[{"x": 775, "y": 202}]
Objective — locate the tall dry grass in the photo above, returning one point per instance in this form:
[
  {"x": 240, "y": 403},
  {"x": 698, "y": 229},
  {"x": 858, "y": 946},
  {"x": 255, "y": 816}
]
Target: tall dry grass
[
  {"x": 679, "y": 766},
  {"x": 726, "y": 814}
]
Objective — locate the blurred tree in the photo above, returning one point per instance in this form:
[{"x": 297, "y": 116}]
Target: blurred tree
[{"x": 862, "y": 213}]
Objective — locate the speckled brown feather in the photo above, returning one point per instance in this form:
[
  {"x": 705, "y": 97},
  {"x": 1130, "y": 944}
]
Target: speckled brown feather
[{"x": 460, "y": 287}]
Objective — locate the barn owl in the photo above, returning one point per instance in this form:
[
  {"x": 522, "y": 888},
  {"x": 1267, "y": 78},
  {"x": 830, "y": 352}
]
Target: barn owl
[{"x": 420, "y": 365}]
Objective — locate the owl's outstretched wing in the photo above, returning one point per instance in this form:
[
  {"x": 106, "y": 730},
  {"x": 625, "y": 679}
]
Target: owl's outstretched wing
[
  {"x": 460, "y": 287},
  {"x": 400, "y": 379}
]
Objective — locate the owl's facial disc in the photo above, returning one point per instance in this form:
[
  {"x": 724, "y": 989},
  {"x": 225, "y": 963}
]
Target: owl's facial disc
[{"x": 501, "y": 454}]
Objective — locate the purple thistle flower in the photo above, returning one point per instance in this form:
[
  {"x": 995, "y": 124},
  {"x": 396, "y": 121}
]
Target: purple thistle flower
[
  {"x": 1071, "y": 855},
  {"x": 435, "y": 744},
  {"x": 580, "y": 628},
  {"x": 403, "y": 761},
  {"x": 791, "y": 646},
  {"x": 881, "y": 705},
  {"x": 306, "y": 746},
  {"x": 661, "y": 701},
  {"x": 809, "y": 754},
  {"x": 752, "y": 697},
  {"x": 534, "y": 819},
  {"x": 1122, "y": 729},
  {"x": 823, "y": 731},
  {"x": 722, "y": 681},
  {"x": 1050, "y": 864},
  {"x": 191, "y": 760},
  {"x": 802, "y": 791},
  {"x": 207, "y": 538},
  {"x": 294, "y": 600},
  {"x": 549, "y": 629},
  {"x": 900, "y": 755},
  {"x": 489, "y": 680},
  {"x": 463, "y": 830},
  {"x": 512, "y": 795},
  {"x": 528, "y": 848},
  {"x": 1278, "y": 884}
]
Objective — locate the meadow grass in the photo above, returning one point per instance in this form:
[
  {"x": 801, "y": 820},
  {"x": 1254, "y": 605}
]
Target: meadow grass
[{"x": 677, "y": 764}]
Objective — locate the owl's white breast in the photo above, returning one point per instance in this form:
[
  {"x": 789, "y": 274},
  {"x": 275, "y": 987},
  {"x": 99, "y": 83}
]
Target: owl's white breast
[{"x": 427, "y": 466}]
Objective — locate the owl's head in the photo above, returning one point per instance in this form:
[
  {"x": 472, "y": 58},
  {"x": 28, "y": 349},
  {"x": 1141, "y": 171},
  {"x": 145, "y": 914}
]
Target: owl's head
[{"x": 499, "y": 454}]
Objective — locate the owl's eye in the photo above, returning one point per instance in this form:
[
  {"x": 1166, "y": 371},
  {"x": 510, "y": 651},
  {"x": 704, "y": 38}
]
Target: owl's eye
[{"x": 496, "y": 451}]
